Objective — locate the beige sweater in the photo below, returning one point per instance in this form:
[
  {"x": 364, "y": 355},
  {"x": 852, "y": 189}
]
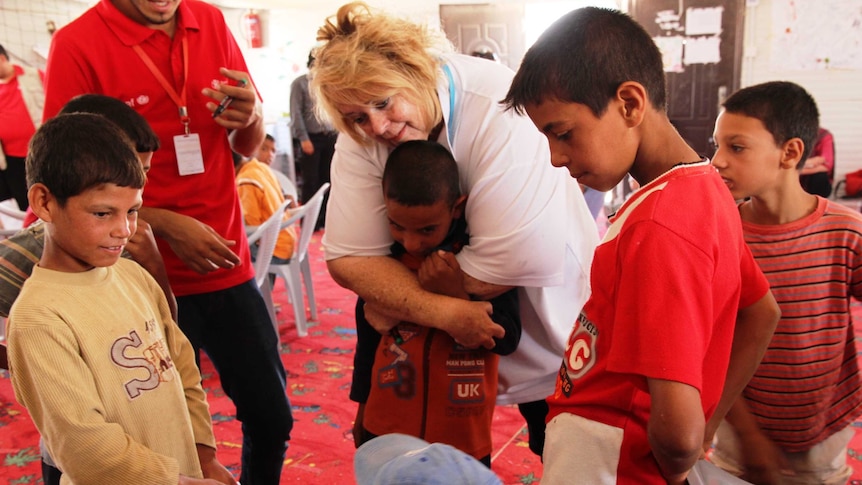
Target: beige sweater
[{"x": 107, "y": 376}]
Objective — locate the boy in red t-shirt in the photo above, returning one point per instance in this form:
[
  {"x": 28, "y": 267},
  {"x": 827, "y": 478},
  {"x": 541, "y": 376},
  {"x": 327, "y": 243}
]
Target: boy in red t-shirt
[{"x": 679, "y": 314}]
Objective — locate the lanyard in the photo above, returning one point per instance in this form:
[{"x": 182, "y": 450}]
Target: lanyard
[
  {"x": 178, "y": 98},
  {"x": 451, "y": 123}
]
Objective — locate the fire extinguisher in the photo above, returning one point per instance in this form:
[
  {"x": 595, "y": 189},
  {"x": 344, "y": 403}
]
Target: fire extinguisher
[{"x": 251, "y": 29}]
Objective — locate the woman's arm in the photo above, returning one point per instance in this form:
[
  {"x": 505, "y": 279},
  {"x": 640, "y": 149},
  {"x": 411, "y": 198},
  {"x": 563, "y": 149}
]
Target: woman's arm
[{"x": 394, "y": 291}]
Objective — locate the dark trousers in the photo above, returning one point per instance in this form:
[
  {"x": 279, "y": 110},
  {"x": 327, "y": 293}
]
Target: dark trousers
[
  {"x": 233, "y": 327},
  {"x": 535, "y": 414},
  {"x": 315, "y": 168},
  {"x": 817, "y": 184},
  {"x": 50, "y": 475},
  {"x": 13, "y": 182}
]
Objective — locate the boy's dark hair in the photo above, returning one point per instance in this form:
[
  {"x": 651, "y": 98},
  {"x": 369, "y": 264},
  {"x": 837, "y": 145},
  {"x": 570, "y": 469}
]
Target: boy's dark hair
[
  {"x": 421, "y": 172},
  {"x": 786, "y": 110},
  {"x": 237, "y": 159},
  {"x": 74, "y": 152},
  {"x": 129, "y": 120},
  {"x": 269, "y": 137},
  {"x": 584, "y": 57},
  {"x": 3, "y": 52}
]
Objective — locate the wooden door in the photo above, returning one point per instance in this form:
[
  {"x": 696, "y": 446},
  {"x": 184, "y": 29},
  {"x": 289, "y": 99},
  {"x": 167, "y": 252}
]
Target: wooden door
[
  {"x": 702, "y": 44},
  {"x": 496, "y": 28}
]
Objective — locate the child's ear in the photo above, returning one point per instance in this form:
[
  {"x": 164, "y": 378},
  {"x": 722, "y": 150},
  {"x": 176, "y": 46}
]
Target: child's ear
[
  {"x": 634, "y": 102},
  {"x": 42, "y": 202},
  {"x": 792, "y": 152},
  {"x": 458, "y": 207}
]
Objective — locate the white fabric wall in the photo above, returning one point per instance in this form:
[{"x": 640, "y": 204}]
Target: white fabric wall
[
  {"x": 290, "y": 32},
  {"x": 837, "y": 91}
]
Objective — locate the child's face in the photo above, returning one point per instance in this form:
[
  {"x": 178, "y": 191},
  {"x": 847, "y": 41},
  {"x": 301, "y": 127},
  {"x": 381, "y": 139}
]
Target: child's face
[
  {"x": 746, "y": 156},
  {"x": 146, "y": 159},
  {"x": 92, "y": 229},
  {"x": 266, "y": 152},
  {"x": 592, "y": 149},
  {"x": 391, "y": 121},
  {"x": 421, "y": 228}
]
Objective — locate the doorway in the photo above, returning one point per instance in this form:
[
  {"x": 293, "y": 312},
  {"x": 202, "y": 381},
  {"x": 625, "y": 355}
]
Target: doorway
[{"x": 701, "y": 41}]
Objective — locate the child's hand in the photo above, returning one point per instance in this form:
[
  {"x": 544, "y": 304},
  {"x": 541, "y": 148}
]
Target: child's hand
[
  {"x": 762, "y": 459},
  {"x": 211, "y": 468},
  {"x": 142, "y": 247},
  {"x": 440, "y": 273}
]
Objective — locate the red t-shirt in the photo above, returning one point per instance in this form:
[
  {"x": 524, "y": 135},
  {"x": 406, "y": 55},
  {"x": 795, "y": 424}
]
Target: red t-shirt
[
  {"x": 666, "y": 284},
  {"x": 16, "y": 126},
  {"x": 112, "y": 67}
]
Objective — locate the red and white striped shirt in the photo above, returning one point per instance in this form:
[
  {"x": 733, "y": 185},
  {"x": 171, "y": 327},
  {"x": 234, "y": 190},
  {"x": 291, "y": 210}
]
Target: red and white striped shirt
[{"x": 808, "y": 385}]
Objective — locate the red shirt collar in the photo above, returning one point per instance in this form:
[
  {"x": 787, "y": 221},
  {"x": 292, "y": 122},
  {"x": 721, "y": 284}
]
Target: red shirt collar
[{"x": 132, "y": 33}]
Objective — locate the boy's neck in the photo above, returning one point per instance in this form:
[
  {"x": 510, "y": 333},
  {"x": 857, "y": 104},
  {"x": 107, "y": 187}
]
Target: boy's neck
[
  {"x": 787, "y": 203},
  {"x": 661, "y": 148}
]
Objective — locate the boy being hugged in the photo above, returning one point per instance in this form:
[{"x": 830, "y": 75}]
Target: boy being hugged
[
  {"x": 108, "y": 378},
  {"x": 423, "y": 383},
  {"x": 680, "y": 314},
  {"x": 792, "y": 424}
]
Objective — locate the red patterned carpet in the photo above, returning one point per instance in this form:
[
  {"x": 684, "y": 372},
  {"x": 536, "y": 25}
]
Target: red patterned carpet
[{"x": 319, "y": 369}]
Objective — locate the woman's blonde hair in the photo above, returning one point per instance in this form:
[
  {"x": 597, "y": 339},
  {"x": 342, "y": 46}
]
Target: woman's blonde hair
[{"x": 366, "y": 58}]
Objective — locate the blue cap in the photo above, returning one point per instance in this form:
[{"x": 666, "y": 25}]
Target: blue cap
[{"x": 399, "y": 459}]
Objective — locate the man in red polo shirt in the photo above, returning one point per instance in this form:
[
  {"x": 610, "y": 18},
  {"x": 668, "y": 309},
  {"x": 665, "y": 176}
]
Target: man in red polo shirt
[
  {"x": 173, "y": 62},
  {"x": 21, "y": 100}
]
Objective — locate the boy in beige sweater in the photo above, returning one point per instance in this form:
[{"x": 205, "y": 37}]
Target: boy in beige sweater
[{"x": 107, "y": 376}]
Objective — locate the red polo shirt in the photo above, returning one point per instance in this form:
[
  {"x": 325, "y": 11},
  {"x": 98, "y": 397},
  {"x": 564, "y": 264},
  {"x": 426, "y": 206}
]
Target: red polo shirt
[
  {"x": 110, "y": 66},
  {"x": 16, "y": 127}
]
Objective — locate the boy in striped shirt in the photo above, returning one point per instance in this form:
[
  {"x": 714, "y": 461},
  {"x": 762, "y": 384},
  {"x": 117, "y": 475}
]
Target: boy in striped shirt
[{"x": 793, "y": 422}]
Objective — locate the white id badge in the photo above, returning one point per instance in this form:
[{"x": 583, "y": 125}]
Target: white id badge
[{"x": 190, "y": 158}]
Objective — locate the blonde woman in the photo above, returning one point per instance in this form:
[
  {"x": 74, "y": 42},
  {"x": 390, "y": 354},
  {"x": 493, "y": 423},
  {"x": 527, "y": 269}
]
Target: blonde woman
[{"x": 382, "y": 80}]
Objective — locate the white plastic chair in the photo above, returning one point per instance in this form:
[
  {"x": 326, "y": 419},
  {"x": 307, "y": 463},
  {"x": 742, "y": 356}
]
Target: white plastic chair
[
  {"x": 298, "y": 270},
  {"x": 266, "y": 235},
  {"x": 15, "y": 215},
  {"x": 287, "y": 186}
]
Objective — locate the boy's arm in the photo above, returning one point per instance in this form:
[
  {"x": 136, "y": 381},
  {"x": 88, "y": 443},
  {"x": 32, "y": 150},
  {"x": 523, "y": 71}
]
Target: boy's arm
[
  {"x": 675, "y": 429},
  {"x": 182, "y": 354},
  {"x": 755, "y": 325},
  {"x": 367, "y": 341},
  {"x": 18, "y": 254},
  {"x": 762, "y": 459},
  {"x": 507, "y": 313}
]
